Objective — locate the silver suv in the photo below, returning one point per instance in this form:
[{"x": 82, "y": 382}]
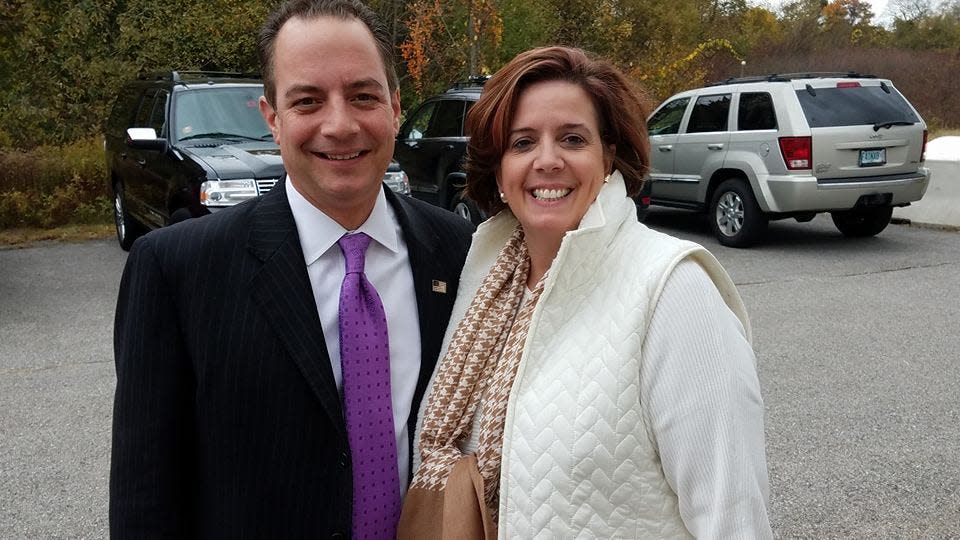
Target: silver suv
[{"x": 752, "y": 149}]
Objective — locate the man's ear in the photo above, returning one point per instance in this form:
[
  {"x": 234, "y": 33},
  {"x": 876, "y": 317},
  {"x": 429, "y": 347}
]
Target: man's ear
[
  {"x": 270, "y": 117},
  {"x": 395, "y": 104}
]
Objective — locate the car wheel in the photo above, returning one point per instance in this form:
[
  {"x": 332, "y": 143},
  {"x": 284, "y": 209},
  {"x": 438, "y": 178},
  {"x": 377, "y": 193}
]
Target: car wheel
[
  {"x": 861, "y": 222},
  {"x": 127, "y": 229},
  {"x": 466, "y": 209},
  {"x": 735, "y": 216}
]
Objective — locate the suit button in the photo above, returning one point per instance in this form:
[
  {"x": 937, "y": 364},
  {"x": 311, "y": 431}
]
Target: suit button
[{"x": 344, "y": 460}]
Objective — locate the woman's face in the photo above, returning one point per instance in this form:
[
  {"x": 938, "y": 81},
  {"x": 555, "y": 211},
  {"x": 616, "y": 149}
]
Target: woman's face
[{"x": 555, "y": 161}]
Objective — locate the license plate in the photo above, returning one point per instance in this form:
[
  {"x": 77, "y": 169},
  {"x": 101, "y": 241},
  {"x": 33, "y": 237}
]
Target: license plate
[{"x": 872, "y": 158}]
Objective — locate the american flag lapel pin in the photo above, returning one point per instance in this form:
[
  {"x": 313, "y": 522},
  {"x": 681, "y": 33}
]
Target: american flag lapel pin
[{"x": 439, "y": 286}]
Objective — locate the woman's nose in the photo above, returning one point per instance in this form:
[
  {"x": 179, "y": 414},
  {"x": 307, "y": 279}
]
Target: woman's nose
[{"x": 548, "y": 158}]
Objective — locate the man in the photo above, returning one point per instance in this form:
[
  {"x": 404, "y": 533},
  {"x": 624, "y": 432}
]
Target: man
[{"x": 233, "y": 415}]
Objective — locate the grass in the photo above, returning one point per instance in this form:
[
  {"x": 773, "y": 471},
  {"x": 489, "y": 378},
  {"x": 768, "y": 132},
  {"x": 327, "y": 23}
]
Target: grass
[{"x": 25, "y": 237}]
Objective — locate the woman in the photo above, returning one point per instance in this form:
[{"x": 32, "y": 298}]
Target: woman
[{"x": 600, "y": 381}]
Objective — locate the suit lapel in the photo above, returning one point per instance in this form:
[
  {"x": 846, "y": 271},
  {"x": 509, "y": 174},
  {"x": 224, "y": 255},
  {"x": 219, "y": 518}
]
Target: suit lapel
[{"x": 282, "y": 290}]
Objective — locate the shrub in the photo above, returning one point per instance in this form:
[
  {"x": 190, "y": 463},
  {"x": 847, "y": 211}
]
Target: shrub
[{"x": 51, "y": 186}]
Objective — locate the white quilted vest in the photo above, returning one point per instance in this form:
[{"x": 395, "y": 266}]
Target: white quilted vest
[{"x": 578, "y": 458}]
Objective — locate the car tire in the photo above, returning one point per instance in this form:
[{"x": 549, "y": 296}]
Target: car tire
[
  {"x": 735, "y": 217},
  {"x": 862, "y": 222},
  {"x": 466, "y": 208},
  {"x": 128, "y": 229}
]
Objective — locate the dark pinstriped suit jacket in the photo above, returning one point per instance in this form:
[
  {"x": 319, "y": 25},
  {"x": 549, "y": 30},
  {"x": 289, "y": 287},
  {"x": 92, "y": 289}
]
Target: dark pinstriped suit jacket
[{"x": 227, "y": 421}]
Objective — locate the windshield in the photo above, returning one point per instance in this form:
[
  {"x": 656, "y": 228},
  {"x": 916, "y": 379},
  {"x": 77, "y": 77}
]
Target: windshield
[
  {"x": 854, "y": 106},
  {"x": 220, "y": 112}
]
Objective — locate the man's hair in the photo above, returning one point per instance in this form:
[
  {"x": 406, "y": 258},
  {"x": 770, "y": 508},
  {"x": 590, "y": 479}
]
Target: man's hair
[
  {"x": 314, "y": 9},
  {"x": 621, "y": 111}
]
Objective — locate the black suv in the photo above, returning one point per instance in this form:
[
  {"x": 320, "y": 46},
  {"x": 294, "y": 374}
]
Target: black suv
[
  {"x": 184, "y": 144},
  {"x": 431, "y": 146}
]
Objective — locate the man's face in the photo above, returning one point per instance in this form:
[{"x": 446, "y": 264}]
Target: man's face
[{"x": 335, "y": 118}]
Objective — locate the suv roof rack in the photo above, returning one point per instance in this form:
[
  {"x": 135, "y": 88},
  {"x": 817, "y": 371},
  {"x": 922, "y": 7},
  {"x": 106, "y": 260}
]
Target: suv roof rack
[
  {"x": 784, "y": 77},
  {"x": 183, "y": 76},
  {"x": 471, "y": 82}
]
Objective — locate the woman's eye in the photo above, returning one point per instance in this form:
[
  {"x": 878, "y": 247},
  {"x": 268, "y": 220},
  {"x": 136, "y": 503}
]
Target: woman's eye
[
  {"x": 575, "y": 140},
  {"x": 521, "y": 144}
]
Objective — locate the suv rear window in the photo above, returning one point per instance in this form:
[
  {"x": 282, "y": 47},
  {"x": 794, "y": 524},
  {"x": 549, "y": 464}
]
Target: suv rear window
[
  {"x": 854, "y": 106},
  {"x": 756, "y": 112}
]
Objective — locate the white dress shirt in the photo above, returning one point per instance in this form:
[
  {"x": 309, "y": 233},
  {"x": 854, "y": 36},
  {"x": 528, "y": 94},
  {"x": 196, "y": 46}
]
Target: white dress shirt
[{"x": 387, "y": 267}]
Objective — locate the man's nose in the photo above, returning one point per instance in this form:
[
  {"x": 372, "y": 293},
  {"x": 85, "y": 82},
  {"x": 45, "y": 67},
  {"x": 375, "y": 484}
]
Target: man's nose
[{"x": 340, "y": 119}]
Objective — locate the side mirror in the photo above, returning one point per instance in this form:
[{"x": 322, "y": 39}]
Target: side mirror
[{"x": 145, "y": 139}]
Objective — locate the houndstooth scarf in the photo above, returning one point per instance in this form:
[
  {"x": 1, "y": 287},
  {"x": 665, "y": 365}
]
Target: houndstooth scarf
[{"x": 455, "y": 495}]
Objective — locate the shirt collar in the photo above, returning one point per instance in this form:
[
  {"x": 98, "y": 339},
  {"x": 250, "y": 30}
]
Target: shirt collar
[{"x": 319, "y": 232}]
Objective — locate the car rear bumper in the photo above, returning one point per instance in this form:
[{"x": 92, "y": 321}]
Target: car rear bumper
[{"x": 808, "y": 193}]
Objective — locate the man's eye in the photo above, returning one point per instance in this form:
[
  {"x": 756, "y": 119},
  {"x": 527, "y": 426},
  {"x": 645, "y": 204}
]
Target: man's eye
[{"x": 305, "y": 102}]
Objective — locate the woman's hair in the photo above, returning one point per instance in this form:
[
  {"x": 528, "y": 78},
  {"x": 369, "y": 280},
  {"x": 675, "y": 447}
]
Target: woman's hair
[{"x": 621, "y": 111}]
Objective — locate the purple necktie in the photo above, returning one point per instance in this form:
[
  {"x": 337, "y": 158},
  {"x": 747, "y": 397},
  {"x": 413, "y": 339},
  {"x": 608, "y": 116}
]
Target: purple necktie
[{"x": 365, "y": 361}]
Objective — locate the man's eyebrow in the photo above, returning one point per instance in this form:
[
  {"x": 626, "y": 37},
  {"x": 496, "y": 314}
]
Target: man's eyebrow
[
  {"x": 301, "y": 89},
  {"x": 363, "y": 84}
]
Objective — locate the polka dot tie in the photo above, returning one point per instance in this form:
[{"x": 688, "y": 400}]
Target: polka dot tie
[{"x": 365, "y": 361}]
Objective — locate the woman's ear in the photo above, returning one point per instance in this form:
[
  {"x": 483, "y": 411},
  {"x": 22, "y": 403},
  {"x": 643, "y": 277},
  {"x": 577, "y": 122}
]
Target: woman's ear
[{"x": 610, "y": 152}]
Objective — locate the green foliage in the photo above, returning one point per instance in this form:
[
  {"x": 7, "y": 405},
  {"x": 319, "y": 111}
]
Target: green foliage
[{"x": 61, "y": 63}]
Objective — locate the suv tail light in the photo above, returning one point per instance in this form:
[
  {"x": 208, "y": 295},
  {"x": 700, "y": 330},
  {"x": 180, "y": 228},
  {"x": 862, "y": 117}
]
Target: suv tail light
[
  {"x": 797, "y": 152},
  {"x": 923, "y": 149}
]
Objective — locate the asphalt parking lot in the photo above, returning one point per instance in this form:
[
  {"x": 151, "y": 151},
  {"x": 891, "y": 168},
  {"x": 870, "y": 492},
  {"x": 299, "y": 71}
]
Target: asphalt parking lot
[{"x": 858, "y": 353}]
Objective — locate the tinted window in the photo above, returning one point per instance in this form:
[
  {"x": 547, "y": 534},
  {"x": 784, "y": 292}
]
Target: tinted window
[
  {"x": 854, "y": 106},
  {"x": 667, "y": 120},
  {"x": 123, "y": 111},
  {"x": 448, "y": 120},
  {"x": 142, "y": 119},
  {"x": 158, "y": 118},
  {"x": 219, "y": 111},
  {"x": 756, "y": 112},
  {"x": 417, "y": 126},
  {"x": 709, "y": 114}
]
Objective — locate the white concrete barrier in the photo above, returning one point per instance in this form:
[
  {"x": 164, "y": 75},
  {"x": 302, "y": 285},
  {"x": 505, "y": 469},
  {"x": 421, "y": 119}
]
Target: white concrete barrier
[{"x": 941, "y": 204}]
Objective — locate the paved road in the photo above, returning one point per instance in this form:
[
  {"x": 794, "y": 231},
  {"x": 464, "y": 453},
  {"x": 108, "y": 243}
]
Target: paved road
[{"x": 857, "y": 344}]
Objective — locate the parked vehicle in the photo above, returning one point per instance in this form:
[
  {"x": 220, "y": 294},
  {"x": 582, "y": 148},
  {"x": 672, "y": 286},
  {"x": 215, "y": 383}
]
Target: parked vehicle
[
  {"x": 431, "y": 146},
  {"x": 182, "y": 144},
  {"x": 753, "y": 149}
]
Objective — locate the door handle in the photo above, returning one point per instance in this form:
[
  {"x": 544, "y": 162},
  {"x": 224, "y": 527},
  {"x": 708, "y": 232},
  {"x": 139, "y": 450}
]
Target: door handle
[
  {"x": 123, "y": 155},
  {"x": 665, "y": 147},
  {"x": 715, "y": 146},
  {"x": 142, "y": 162}
]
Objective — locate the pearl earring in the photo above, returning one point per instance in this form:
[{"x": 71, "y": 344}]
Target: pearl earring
[
  {"x": 606, "y": 179},
  {"x": 503, "y": 197}
]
